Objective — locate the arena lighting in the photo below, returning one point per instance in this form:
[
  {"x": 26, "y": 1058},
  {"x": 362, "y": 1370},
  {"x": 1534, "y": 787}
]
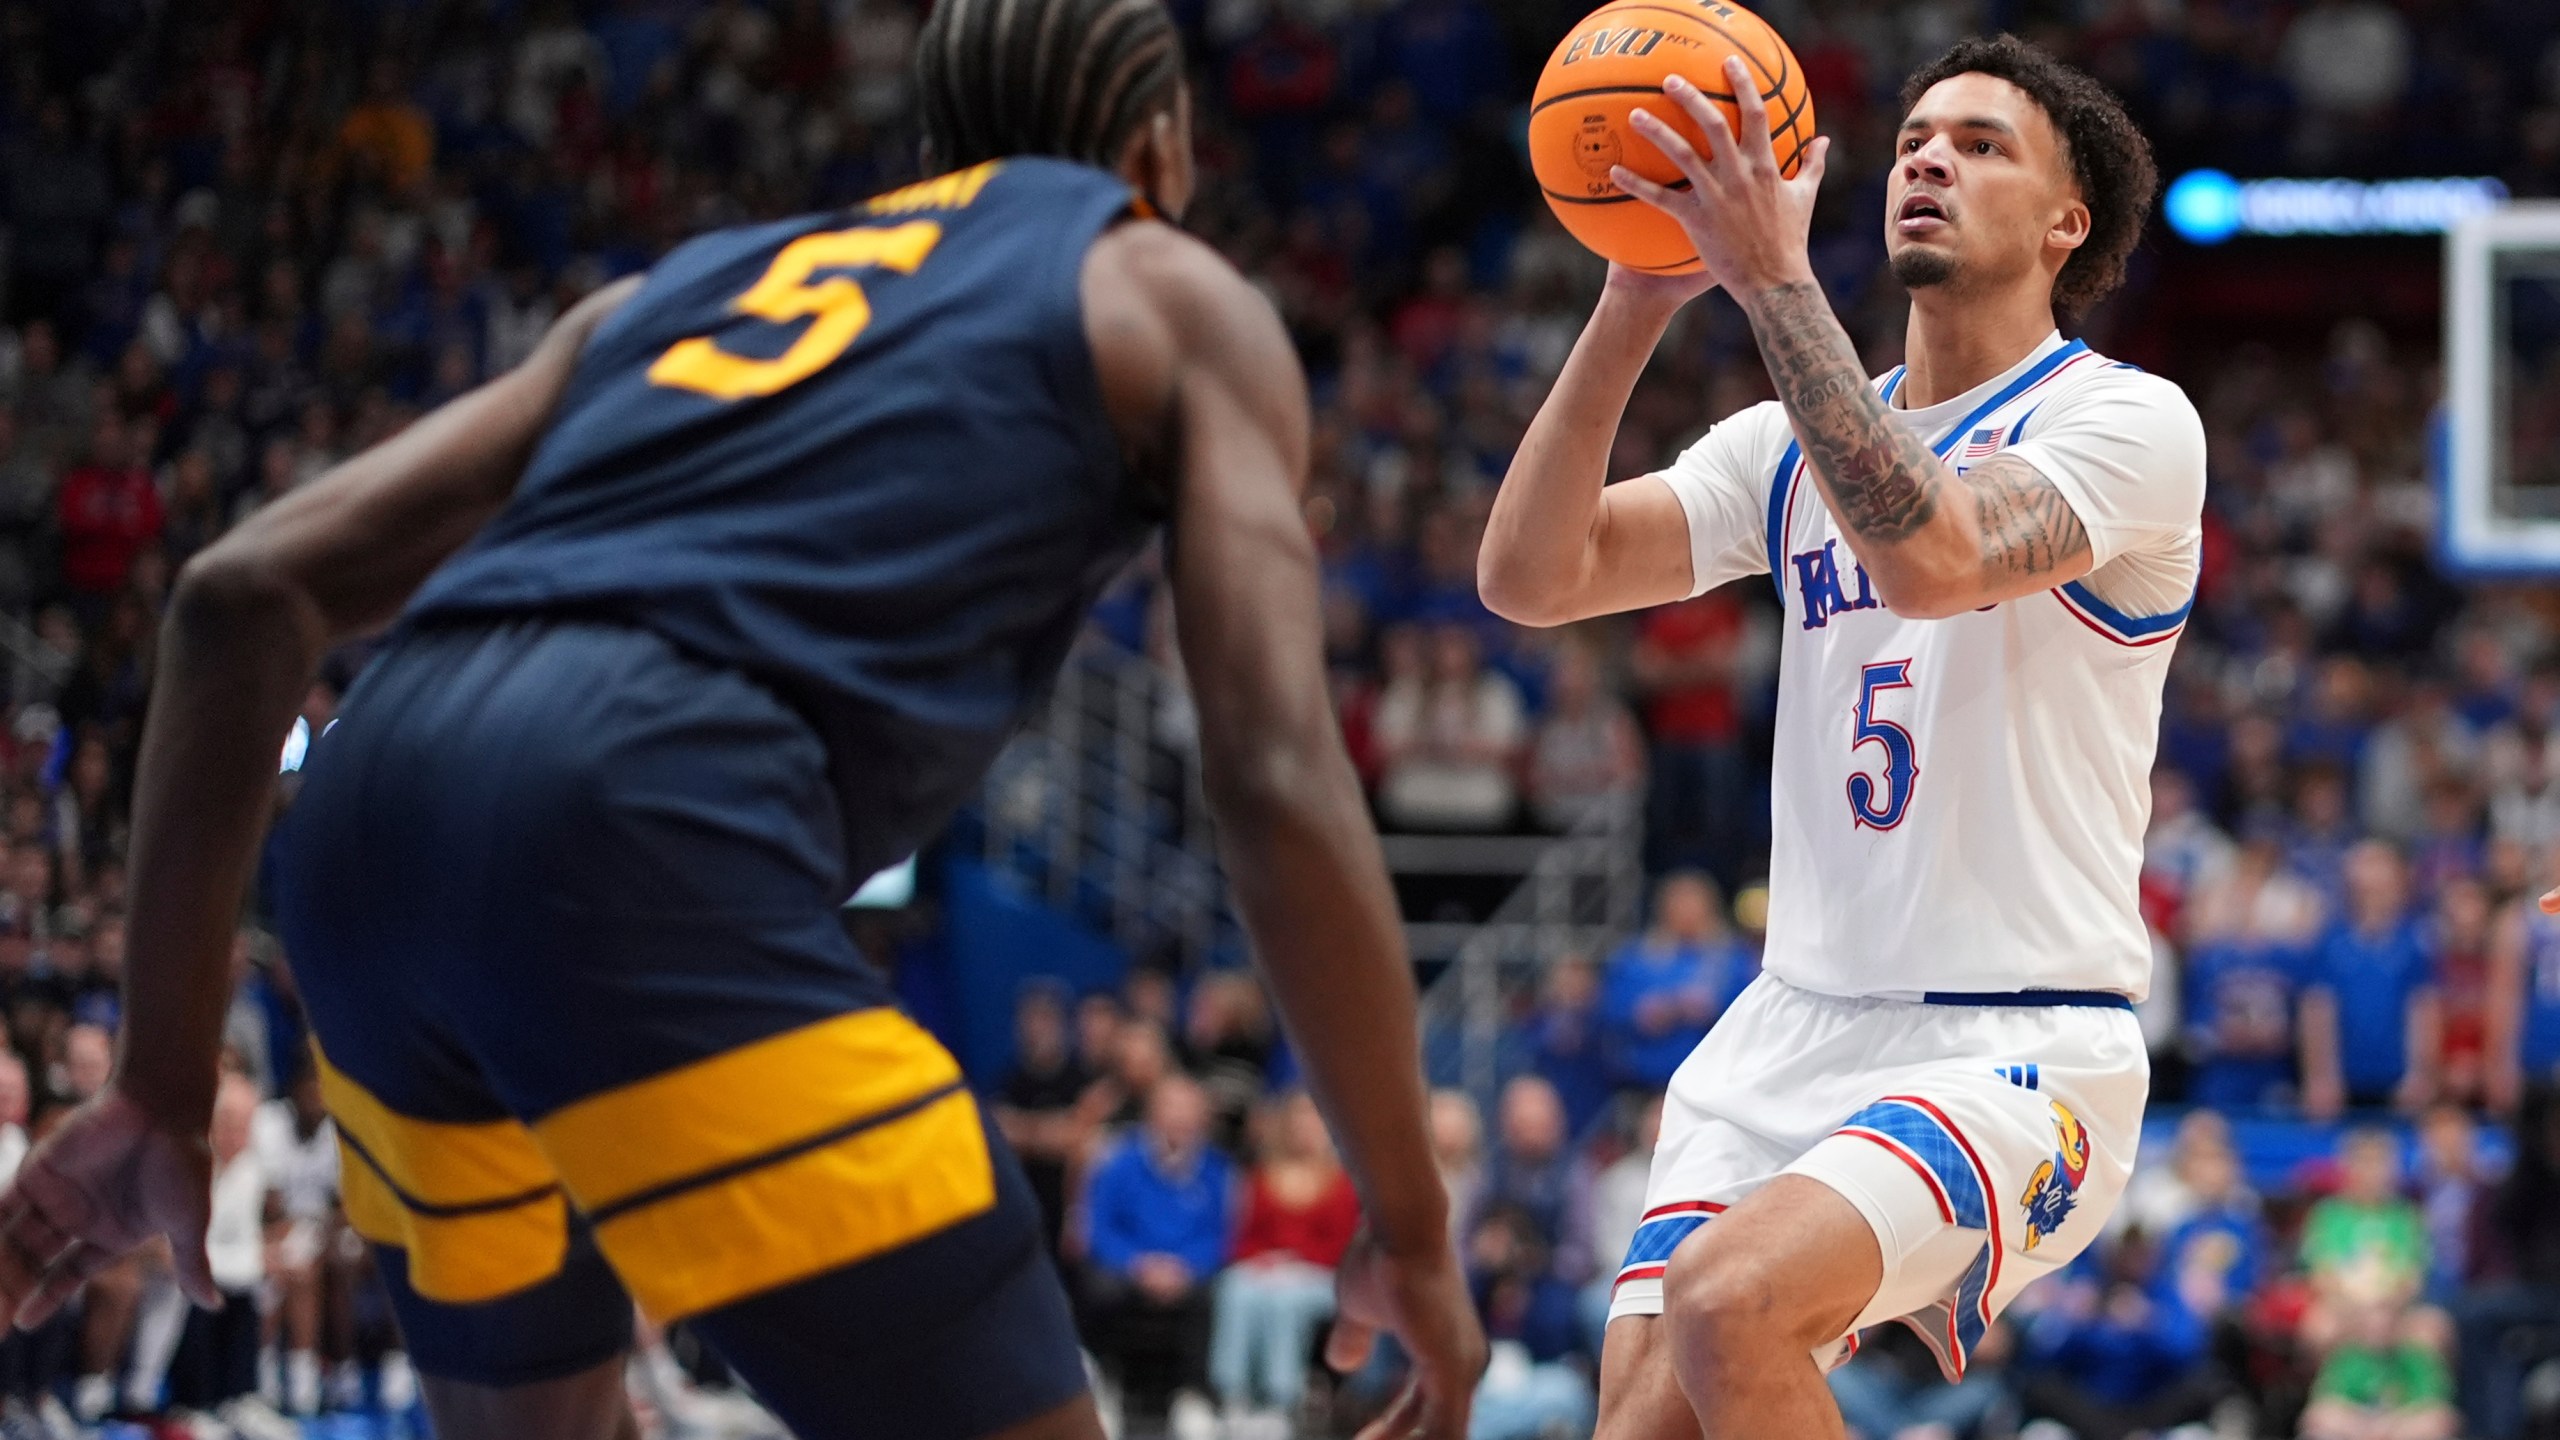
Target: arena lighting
[{"x": 2208, "y": 207}]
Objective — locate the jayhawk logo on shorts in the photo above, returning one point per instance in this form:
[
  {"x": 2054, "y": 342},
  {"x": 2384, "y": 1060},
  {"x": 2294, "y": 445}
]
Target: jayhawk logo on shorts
[{"x": 2053, "y": 1192}]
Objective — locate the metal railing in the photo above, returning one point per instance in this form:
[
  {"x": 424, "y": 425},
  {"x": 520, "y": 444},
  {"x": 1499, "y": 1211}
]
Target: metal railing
[
  {"x": 1096, "y": 808},
  {"x": 1582, "y": 893}
]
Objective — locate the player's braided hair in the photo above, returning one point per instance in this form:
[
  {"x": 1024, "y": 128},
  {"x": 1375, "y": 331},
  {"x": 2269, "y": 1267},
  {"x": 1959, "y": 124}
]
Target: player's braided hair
[
  {"x": 1069, "y": 78},
  {"x": 2106, "y": 151}
]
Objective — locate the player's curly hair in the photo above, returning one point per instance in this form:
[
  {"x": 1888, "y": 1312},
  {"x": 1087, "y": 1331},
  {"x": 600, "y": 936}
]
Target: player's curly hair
[
  {"x": 2108, "y": 155},
  {"x": 1070, "y": 78}
]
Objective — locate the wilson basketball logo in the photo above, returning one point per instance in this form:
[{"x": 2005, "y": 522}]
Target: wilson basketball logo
[
  {"x": 1603, "y": 41},
  {"x": 1596, "y": 147}
]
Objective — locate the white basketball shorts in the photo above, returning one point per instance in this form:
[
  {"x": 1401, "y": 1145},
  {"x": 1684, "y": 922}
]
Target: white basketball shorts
[{"x": 1983, "y": 1141}]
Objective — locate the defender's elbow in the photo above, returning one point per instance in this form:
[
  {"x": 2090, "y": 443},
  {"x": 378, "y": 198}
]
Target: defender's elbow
[
  {"x": 1512, "y": 596},
  {"x": 230, "y": 587}
]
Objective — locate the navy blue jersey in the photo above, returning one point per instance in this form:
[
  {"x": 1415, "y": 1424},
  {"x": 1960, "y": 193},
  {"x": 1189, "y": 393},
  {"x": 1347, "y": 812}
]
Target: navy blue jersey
[{"x": 861, "y": 457}]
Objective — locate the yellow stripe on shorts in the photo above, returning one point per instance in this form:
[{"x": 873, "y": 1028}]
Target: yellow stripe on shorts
[
  {"x": 477, "y": 1206},
  {"x": 776, "y": 1161}
]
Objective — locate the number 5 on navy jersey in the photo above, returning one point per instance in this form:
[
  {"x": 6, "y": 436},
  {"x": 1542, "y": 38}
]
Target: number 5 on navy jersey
[
  {"x": 788, "y": 293},
  {"x": 1901, "y": 757}
]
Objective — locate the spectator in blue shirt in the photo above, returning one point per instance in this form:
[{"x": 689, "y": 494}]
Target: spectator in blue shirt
[
  {"x": 2240, "y": 997},
  {"x": 2109, "y": 1356},
  {"x": 2371, "y": 1020},
  {"x": 1665, "y": 987},
  {"x": 1566, "y": 1044},
  {"x": 1533, "y": 1162},
  {"x": 1157, "y": 1226}
]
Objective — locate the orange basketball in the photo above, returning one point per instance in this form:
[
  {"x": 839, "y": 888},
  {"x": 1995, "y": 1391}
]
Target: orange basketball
[{"x": 1616, "y": 60}]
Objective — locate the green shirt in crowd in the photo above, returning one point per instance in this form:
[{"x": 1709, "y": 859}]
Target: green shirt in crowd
[
  {"x": 2399, "y": 1378},
  {"x": 2343, "y": 1235}
]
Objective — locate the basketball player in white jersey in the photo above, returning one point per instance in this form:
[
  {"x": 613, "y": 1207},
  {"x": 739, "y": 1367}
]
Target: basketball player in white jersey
[{"x": 1933, "y": 1093}]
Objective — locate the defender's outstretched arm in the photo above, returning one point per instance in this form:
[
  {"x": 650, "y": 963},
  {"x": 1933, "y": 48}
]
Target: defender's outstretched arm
[
  {"x": 248, "y": 623},
  {"x": 1177, "y": 329}
]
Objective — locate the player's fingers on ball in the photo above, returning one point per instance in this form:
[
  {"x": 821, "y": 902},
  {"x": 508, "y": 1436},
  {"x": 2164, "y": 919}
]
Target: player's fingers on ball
[
  {"x": 1675, "y": 147},
  {"x": 1817, "y": 159},
  {"x": 1753, "y": 146},
  {"x": 1347, "y": 1346},
  {"x": 1711, "y": 122},
  {"x": 1660, "y": 197}
]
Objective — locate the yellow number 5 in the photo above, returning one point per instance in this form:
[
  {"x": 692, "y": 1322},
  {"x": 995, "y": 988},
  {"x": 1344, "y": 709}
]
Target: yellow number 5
[{"x": 784, "y": 295}]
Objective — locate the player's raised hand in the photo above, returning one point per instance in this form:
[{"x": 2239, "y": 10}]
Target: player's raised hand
[
  {"x": 110, "y": 1177},
  {"x": 1422, "y": 1300},
  {"x": 1669, "y": 292},
  {"x": 1748, "y": 221}
]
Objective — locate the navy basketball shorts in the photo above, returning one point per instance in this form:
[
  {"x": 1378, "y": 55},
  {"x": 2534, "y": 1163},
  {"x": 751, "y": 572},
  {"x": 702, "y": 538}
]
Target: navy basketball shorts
[{"x": 562, "y": 904}]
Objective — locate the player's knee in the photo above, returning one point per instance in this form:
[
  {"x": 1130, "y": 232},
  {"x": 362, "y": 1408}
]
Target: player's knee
[{"x": 1729, "y": 1303}]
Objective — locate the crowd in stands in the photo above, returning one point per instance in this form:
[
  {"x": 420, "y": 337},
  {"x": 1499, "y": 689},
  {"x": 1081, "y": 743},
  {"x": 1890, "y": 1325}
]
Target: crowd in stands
[{"x": 246, "y": 240}]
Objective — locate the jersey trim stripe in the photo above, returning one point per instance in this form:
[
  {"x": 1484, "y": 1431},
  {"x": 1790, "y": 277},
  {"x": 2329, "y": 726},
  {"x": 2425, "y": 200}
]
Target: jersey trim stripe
[{"x": 2114, "y": 624}]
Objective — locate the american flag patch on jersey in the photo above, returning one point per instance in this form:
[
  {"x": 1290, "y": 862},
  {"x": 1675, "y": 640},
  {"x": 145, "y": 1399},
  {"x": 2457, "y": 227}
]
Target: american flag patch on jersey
[{"x": 1983, "y": 442}]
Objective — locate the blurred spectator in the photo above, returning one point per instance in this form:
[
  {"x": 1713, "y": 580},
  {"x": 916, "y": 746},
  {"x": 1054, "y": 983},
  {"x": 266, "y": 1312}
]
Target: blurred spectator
[
  {"x": 2428, "y": 741},
  {"x": 216, "y": 1364},
  {"x": 2202, "y": 1175},
  {"x": 1050, "y": 1107},
  {"x": 1664, "y": 988},
  {"x": 1142, "y": 1060},
  {"x": 2522, "y": 1040},
  {"x": 1231, "y": 1042},
  {"x": 1157, "y": 1231},
  {"x": 1457, "y": 1147},
  {"x": 108, "y": 510},
  {"x": 2243, "y": 973},
  {"x": 2366, "y": 1246},
  {"x": 1891, "y": 1390},
  {"x": 2108, "y": 1355},
  {"x": 2510, "y": 1322},
  {"x": 1688, "y": 662},
  {"x": 1586, "y": 754},
  {"x": 1531, "y": 1170},
  {"x": 1529, "y": 1390},
  {"x": 1299, "y": 1216},
  {"x": 1568, "y": 1046},
  {"x": 2183, "y": 852},
  {"x": 2453, "y": 1186},
  {"x": 2460, "y": 937},
  {"x": 1603, "y": 1222},
  {"x": 2372, "y": 1027},
  {"x": 2348, "y": 62},
  {"x": 2379, "y": 1383},
  {"x": 297, "y": 1147},
  {"x": 1448, "y": 741}
]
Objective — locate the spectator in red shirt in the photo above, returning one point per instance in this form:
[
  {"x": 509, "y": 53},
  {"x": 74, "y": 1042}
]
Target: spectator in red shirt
[
  {"x": 108, "y": 510},
  {"x": 1686, "y": 662},
  {"x": 1299, "y": 1216}
]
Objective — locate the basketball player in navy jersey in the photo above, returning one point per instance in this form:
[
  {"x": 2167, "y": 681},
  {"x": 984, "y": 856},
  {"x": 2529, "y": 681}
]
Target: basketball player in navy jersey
[{"x": 720, "y": 602}]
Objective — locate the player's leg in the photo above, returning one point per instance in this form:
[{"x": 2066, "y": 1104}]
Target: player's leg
[
  {"x": 1640, "y": 1395},
  {"x": 1748, "y": 1300},
  {"x": 588, "y": 1405}
]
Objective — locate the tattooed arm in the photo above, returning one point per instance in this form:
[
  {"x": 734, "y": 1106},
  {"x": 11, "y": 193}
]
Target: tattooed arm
[{"x": 1937, "y": 543}]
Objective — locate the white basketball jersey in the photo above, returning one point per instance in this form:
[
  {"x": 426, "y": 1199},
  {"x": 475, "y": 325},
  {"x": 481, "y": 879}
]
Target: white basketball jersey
[{"x": 1959, "y": 804}]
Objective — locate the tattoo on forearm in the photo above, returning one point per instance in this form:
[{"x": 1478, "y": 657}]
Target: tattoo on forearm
[
  {"x": 1883, "y": 482},
  {"x": 2028, "y": 529}
]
